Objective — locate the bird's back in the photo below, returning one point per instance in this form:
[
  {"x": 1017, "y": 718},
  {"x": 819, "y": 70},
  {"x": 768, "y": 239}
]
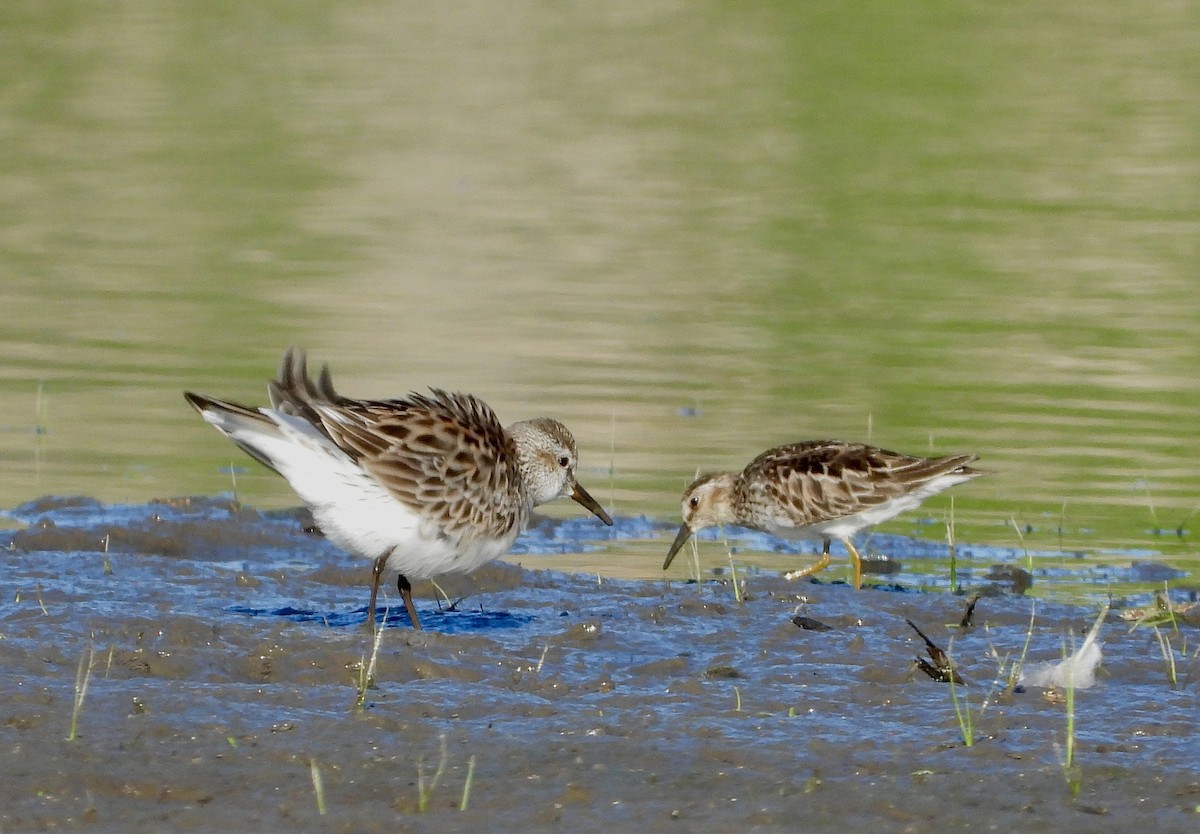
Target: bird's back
[{"x": 818, "y": 481}]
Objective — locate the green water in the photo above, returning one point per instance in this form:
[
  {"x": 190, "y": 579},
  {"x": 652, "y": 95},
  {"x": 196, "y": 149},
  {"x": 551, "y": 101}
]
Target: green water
[{"x": 691, "y": 231}]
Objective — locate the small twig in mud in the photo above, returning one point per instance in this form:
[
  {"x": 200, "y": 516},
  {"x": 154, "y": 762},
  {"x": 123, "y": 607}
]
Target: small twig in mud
[
  {"x": 942, "y": 669},
  {"x": 965, "y": 622},
  {"x": 440, "y": 595}
]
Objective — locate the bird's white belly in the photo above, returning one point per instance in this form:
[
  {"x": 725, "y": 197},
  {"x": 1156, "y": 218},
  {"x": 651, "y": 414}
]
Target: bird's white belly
[
  {"x": 847, "y": 526},
  {"x": 358, "y": 515}
]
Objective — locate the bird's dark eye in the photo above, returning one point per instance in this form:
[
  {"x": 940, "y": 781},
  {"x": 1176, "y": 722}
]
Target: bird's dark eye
[
  {"x": 564, "y": 461},
  {"x": 694, "y": 501}
]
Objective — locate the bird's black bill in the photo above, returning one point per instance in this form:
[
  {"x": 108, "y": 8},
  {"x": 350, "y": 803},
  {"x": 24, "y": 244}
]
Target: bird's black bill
[
  {"x": 581, "y": 495},
  {"x": 681, "y": 538}
]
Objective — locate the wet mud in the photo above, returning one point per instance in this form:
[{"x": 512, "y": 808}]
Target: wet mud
[{"x": 209, "y": 661}]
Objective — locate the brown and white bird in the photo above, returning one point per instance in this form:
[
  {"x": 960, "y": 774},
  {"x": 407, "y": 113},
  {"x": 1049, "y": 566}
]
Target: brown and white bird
[
  {"x": 422, "y": 485},
  {"x": 818, "y": 489}
]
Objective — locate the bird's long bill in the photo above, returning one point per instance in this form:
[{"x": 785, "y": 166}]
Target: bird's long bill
[
  {"x": 681, "y": 538},
  {"x": 580, "y": 494}
]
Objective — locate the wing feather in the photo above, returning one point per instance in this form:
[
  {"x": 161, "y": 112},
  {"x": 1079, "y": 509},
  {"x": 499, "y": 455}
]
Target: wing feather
[
  {"x": 824, "y": 480},
  {"x": 445, "y": 456}
]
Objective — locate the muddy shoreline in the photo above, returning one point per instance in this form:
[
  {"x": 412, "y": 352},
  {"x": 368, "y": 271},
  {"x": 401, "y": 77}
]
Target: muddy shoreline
[{"x": 226, "y": 650}]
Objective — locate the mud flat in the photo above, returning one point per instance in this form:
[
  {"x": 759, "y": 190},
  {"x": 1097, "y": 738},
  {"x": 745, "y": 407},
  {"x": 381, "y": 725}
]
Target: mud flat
[{"x": 222, "y": 652}]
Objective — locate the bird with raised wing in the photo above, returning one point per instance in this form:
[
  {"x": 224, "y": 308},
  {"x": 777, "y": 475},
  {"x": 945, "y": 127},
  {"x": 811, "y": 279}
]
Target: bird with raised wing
[{"x": 422, "y": 485}]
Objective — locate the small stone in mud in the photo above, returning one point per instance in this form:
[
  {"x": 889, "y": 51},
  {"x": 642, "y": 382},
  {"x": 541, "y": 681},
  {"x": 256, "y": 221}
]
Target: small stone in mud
[
  {"x": 1153, "y": 572},
  {"x": 809, "y": 624},
  {"x": 696, "y": 605},
  {"x": 721, "y": 673},
  {"x": 1018, "y": 579},
  {"x": 880, "y": 564}
]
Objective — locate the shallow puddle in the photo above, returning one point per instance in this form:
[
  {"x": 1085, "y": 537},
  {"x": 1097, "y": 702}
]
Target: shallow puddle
[{"x": 226, "y": 649}]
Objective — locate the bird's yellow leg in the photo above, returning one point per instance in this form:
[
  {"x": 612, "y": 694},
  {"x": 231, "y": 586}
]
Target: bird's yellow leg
[
  {"x": 856, "y": 561},
  {"x": 821, "y": 564}
]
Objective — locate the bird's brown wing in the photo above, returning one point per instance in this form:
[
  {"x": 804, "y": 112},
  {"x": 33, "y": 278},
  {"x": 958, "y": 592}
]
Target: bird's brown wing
[
  {"x": 444, "y": 456},
  {"x": 823, "y": 480}
]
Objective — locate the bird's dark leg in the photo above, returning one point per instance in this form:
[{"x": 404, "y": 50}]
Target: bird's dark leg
[
  {"x": 405, "y": 589},
  {"x": 821, "y": 564},
  {"x": 376, "y": 574}
]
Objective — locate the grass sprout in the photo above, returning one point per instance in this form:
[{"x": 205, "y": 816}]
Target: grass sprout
[
  {"x": 1164, "y": 614},
  {"x": 1071, "y": 770},
  {"x": 466, "y": 794},
  {"x": 41, "y": 406},
  {"x": 962, "y": 712},
  {"x": 1168, "y": 653},
  {"x": 1014, "y": 670},
  {"x": 366, "y": 669},
  {"x": 612, "y": 466},
  {"x": 954, "y": 587},
  {"x": 1150, "y": 503},
  {"x": 318, "y": 786},
  {"x": 738, "y": 590},
  {"x": 41, "y": 603},
  {"x": 82, "y": 676},
  {"x": 426, "y": 787},
  {"x": 1021, "y": 538},
  {"x": 695, "y": 546},
  {"x": 1072, "y": 773}
]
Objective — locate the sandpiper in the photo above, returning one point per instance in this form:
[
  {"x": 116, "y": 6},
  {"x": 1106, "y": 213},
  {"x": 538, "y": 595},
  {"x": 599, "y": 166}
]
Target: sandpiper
[
  {"x": 423, "y": 485},
  {"x": 818, "y": 489}
]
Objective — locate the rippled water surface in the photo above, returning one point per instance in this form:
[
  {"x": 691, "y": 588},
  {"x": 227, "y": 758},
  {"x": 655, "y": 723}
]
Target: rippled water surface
[
  {"x": 196, "y": 664},
  {"x": 690, "y": 231}
]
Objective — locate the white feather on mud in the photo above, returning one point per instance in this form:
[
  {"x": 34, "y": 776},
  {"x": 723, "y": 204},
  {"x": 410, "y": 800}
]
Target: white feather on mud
[{"x": 1078, "y": 670}]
